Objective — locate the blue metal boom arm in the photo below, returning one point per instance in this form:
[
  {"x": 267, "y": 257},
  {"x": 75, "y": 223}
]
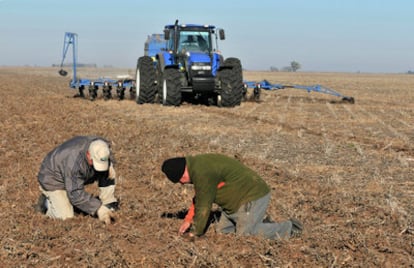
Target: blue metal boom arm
[{"x": 71, "y": 39}]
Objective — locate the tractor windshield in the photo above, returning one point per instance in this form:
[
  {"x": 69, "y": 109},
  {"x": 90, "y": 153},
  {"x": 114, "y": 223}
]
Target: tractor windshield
[{"x": 194, "y": 41}]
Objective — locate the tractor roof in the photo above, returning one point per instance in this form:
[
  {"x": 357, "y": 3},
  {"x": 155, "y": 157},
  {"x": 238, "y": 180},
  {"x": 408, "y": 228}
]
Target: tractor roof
[{"x": 191, "y": 26}]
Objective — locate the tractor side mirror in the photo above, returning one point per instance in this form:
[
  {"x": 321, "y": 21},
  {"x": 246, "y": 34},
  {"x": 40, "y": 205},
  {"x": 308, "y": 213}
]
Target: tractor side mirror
[
  {"x": 166, "y": 34},
  {"x": 221, "y": 34}
]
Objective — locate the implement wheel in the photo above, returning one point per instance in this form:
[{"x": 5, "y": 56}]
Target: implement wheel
[
  {"x": 348, "y": 99},
  {"x": 63, "y": 72}
]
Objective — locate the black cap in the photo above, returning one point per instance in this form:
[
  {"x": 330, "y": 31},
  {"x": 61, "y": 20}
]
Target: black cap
[{"x": 174, "y": 168}]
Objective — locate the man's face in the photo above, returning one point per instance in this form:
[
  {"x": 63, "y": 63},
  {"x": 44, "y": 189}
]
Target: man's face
[
  {"x": 185, "y": 179},
  {"x": 89, "y": 158}
]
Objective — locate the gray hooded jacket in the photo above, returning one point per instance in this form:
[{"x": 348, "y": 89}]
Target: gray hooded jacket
[{"x": 66, "y": 168}]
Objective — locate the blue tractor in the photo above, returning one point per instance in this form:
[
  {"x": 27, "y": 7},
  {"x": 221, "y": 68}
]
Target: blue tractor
[{"x": 184, "y": 63}]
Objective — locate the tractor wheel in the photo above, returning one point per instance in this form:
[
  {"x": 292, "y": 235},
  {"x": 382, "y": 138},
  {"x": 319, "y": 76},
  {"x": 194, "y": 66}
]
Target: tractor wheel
[
  {"x": 159, "y": 76},
  {"x": 171, "y": 87},
  {"x": 236, "y": 67},
  {"x": 145, "y": 77},
  {"x": 230, "y": 94},
  {"x": 227, "y": 96}
]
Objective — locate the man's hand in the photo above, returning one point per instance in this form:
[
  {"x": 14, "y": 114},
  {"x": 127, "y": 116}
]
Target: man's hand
[
  {"x": 184, "y": 227},
  {"x": 105, "y": 214},
  {"x": 190, "y": 237}
]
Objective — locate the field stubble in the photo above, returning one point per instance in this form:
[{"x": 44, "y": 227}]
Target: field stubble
[{"x": 345, "y": 170}]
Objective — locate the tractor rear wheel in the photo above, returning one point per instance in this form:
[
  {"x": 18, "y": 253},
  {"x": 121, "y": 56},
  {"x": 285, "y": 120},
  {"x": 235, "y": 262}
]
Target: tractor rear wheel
[
  {"x": 171, "y": 87},
  {"x": 145, "y": 78}
]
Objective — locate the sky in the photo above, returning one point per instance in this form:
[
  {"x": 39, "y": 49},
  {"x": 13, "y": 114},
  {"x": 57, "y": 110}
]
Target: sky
[{"x": 374, "y": 36}]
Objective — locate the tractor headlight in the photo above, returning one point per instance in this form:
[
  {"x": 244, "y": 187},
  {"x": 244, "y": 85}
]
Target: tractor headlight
[{"x": 201, "y": 67}]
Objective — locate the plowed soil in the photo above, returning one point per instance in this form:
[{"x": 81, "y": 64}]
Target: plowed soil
[{"x": 345, "y": 170}]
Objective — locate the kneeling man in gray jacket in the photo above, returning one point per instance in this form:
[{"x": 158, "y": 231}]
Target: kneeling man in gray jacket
[{"x": 68, "y": 168}]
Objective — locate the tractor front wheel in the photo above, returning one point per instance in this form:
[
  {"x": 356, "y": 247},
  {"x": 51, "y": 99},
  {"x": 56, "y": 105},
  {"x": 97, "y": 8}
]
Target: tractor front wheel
[
  {"x": 230, "y": 94},
  {"x": 238, "y": 85},
  {"x": 171, "y": 87}
]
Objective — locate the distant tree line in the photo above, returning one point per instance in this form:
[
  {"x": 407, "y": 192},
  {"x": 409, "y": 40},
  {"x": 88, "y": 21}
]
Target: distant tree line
[
  {"x": 410, "y": 72},
  {"x": 294, "y": 66}
]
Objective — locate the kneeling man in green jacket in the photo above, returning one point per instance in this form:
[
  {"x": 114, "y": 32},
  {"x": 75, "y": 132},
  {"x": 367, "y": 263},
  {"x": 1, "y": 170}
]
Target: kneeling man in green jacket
[{"x": 240, "y": 192}]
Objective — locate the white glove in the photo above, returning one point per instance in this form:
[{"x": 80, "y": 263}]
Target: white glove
[
  {"x": 112, "y": 173},
  {"x": 105, "y": 214}
]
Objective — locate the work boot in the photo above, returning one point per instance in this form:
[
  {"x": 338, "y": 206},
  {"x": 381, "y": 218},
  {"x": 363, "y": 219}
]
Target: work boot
[
  {"x": 114, "y": 206},
  {"x": 268, "y": 219},
  {"x": 297, "y": 227},
  {"x": 41, "y": 205}
]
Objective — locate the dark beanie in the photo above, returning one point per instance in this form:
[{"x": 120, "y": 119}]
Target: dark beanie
[{"x": 174, "y": 168}]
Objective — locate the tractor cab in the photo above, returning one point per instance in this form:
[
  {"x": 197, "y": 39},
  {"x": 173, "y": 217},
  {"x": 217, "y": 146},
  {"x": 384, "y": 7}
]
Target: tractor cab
[
  {"x": 194, "y": 41},
  {"x": 192, "y": 38}
]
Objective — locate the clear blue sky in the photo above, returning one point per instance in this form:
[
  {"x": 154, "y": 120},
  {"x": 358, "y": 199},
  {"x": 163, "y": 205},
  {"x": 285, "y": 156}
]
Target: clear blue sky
[{"x": 322, "y": 35}]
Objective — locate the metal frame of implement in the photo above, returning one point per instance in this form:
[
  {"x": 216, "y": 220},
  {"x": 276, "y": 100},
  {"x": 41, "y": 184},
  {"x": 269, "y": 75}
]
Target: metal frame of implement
[
  {"x": 71, "y": 39},
  {"x": 266, "y": 85}
]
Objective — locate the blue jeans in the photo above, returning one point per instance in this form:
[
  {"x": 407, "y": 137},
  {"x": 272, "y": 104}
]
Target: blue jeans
[{"x": 248, "y": 220}]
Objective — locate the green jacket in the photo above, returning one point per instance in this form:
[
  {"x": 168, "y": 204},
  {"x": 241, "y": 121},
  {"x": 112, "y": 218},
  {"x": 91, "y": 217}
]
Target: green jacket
[{"x": 241, "y": 185}]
